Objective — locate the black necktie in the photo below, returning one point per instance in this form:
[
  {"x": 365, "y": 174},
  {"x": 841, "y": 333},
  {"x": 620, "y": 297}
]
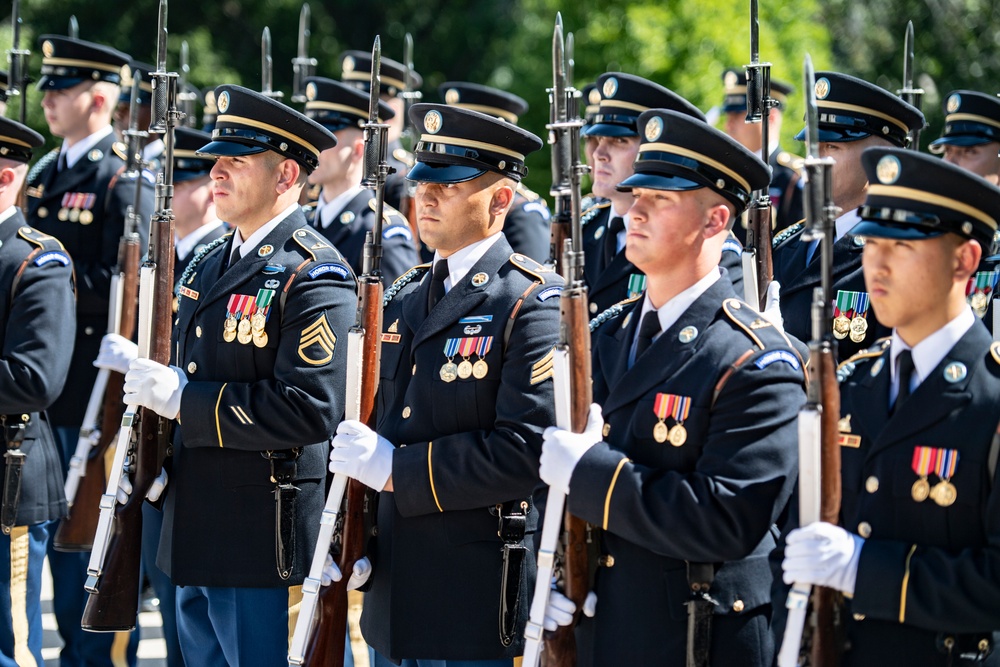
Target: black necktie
[
  {"x": 61, "y": 164},
  {"x": 436, "y": 292},
  {"x": 905, "y": 376},
  {"x": 648, "y": 328},
  {"x": 611, "y": 239}
]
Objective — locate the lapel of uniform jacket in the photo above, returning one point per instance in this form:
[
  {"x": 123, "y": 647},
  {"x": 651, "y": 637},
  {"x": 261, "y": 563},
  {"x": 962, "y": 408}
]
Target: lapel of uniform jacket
[
  {"x": 250, "y": 263},
  {"x": 846, "y": 258},
  {"x": 462, "y": 297},
  {"x": 616, "y": 273},
  {"x": 83, "y": 171},
  {"x": 937, "y": 396},
  {"x": 668, "y": 353}
]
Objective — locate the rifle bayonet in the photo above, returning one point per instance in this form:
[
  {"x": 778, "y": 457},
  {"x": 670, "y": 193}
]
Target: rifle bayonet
[
  {"x": 910, "y": 94},
  {"x": 302, "y": 65},
  {"x": 18, "y": 70},
  {"x": 267, "y": 66},
  {"x": 74, "y": 27}
]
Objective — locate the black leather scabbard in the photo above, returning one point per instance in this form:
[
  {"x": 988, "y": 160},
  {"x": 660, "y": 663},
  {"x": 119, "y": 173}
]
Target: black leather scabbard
[
  {"x": 283, "y": 470},
  {"x": 14, "y": 460},
  {"x": 701, "y": 607},
  {"x": 513, "y": 519}
]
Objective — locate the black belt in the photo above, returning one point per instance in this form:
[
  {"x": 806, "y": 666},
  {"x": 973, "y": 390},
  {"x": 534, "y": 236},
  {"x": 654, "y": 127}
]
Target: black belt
[
  {"x": 701, "y": 606},
  {"x": 512, "y": 525},
  {"x": 14, "y": 427},
  {"x": 283, "y": 471}
]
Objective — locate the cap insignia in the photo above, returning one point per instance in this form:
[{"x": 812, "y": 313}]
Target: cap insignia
[
  {"x": 610, "y": 87},
  {"x": 822, "y": 88},
  {"x": 348, "y": 64},
  {"x": 954, "y": 102},
  {"x": 731, "y": 79},
  {"x": 452, "y": 96},
  {"x": 595, "y": 96},
  {"x": 311, "y": 91},
  {"x": 223, "y": 101},
  {"x": 48, "y": 49},
  {"x": 654, "y": 128},
  {"x": 888, "y": 169},
  {"x": 433, "y": 122}
]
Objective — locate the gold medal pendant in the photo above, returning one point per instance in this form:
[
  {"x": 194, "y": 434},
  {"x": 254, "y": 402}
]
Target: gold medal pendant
[
  {"x": 979, "y": 303},
  {"x": 260, "y": 339},
  {"x": 257, "y": 321},
  {"x": 449, "y": 372},
  {"x": 465, "y": 369},
  {"x": 243, "y": 327},
  {"x": 859, "y": 327},
  {"x": 841, "y": 327},
  {"x": 229, "y": 335},
  {"x": 86, "y": 217},
  {"x": 660, "y": 432},
  {"x": 74, "y": 215},
  {"x": 244, "y": 338},
  {"x": 63, "y": 214},
  {"x": 944, "y": 493},
  {"x": 480, "y": 369},
  {"x": 920, "y": 490},
  {"x": 678, "y": 435}
]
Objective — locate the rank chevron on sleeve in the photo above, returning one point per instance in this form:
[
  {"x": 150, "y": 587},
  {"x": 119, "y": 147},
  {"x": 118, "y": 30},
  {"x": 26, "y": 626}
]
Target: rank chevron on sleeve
[{"x": 317, "y": 342}]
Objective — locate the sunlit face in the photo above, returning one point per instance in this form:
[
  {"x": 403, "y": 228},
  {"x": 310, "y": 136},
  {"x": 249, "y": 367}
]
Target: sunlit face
[
  {"x": 981, "y": 159},
  {"x": 451, "y": 216},
  {"x": 335, "y": 163},
  {"x": 611, "y": 163},
  {"x": 191, "y": 199},
  {"x": 849, "y": 180},
  {"x": 666, "y": 227},
  {"x": 748, "y": 134},
  {"x": 244, "y": 187},
  {"x": 67, "y": 111}
]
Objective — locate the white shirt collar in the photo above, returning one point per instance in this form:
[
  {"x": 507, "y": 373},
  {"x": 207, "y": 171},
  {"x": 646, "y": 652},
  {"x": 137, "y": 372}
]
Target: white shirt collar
[
  {"x": 328, "y": 210},
  {"x": 671, "y": 311},
  {"x": 80, "y": 148},
  {"x": 187, "y": 243},
  {"x": 929, "y": 352},
  {"x": 845, "y": 222},
  {"x": 257, "y": 236},
  {"x": 11, "y": 210},
  {"x": 620, "y": 241},
  {"x": 462, "y": 261}
]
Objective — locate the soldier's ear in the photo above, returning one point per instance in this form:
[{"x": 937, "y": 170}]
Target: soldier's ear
[
  {"x": 503, "y": 196},
  {"x": 288, "y": 175},
  {"x": 8, "y": 177},
  {"x": 967, "y": 256},
  {"x": 717, "y": 220}
]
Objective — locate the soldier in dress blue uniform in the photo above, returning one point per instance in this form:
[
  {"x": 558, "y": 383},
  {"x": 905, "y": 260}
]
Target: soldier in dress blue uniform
[
  {"x": 78, "y": 195},
  {"x": 971, "y": 140},
  {"x": 356, "y": 70},
  {"x": 152, "y": 145},
  {"x": 528, "y": 224},
  {"x": 38, "y": 316},
  {"x": 853, "y": 115},
  {"x": 209, "y": 110},
  {"x": 785, "y": 189},
  {"x": 196, "y": 223},
  {"x": 464, "y": 393},
  {"x": 918, "y": 555},
  {"x": 345, "y": 210},
  {"x": 257, "y": 390},
  {"x": 614, "y": 140},
  {"x": 694, "y": 457}
]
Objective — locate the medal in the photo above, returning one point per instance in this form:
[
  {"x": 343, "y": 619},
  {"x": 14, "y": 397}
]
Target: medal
[
  {"x": 978, "y": 301},
  {"x": 244, "y": 338},
  {"x": 944, "y": 492},
  {"x": 859, "y": 323},
  {"x": 841, "y": 327},
  {"x": 678, "y": 435},
  {"x": 924, "y": 460},
  {"x": 243, "y": 328},
  {"x": 465, "y": 369},
  {"x": 978, "y": 290},
  {"x": 449, "y": 372},
  {"x": 660, "y": 432},
  {"x": 74, "y": 215},
  {"x": 86, "y": 217},
  {"x": 229, "y": 326},
  {"x": 260, "y": 339},
  {"x": 63, "y": 214},
  {"x": 480, "y": 369},
  {"x": 229, "y": 335},
  {"x": 257, "y": 321}
]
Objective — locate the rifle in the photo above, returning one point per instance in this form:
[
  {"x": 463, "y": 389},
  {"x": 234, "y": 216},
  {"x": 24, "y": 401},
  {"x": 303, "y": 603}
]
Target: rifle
[
  {"x": 564, "y": 542},
  {"x": 302, "y": 65},
  {"x": 86, "y": 478},
  {"x": 410, "y": 97},
  {"x": 113, "y": 573},
  {"x": 187, "y": 95},
  {"x": 17, "y": 57},
  {"x": 757, "y": 270},
  {"x": 267, "y": 66},
  {"x": 560, "y": 112},
  {"x": 910, "y": 94},
  {"x": 819, "y": 451},
  {"x": 319, "y": 634},
  {"x": 74, "y": 27}
]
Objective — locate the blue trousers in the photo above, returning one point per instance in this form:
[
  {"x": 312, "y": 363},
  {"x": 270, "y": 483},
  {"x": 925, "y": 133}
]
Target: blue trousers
[
  {"x": 69, "y": 572},
  {"x": 379, "y": 661},
  {"x": 152, "y": 521},
  {"x": 20, "y": 596}
]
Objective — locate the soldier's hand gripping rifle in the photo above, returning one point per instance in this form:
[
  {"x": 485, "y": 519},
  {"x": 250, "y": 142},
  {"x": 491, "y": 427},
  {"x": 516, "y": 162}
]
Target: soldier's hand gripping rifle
[
  {"x": 267, "y": 66},
  {"x": 302, "y": 65},
  {"x": 344, "y": 529},
  {"x": 819, "y": 451},
  {"x": 757, "y": 270},
  {"x": 86, "y": 480},
  {"x": 910, "y": 94},
  {"x": 410, "y": 97},
  {"x": 144, "y": 439},
  {"x": 563, "y": 550},
  {"x": 17, "y": 59}
]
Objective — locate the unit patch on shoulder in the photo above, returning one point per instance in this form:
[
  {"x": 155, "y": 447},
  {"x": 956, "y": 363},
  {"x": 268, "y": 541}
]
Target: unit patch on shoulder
[
  {"x": 322, "y": 269},
  {"x": 549, "y": 292},
  {"x": 390, "y": 232},
  {"x": 775, "y": 356},
  {"x": 543, "y": 369},
  {"x": 53, "y": 256},
  {"x": 317, "y": 342}
]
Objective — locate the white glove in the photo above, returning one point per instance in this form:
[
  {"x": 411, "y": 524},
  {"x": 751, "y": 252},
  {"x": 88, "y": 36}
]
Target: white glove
[
  {"x": 361, "y": 454},
  {"x": 562, "y": 450},
  {"x": 362, "y": 570},
  {"x": 823, "y": 555},
  {"x": 116, "y": 353},
  {"x": 772, "y": 305},
  {"x": 560, "y": 609},
  {"x": 154, "y": 493},
  {"x": 155, "y": 386}
]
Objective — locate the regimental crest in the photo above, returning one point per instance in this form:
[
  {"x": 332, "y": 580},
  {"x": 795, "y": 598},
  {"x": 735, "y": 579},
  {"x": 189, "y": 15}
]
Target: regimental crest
[
  {"x": 48, "y": 49},
  {"x": 126, "y": 75},
  {"x": 348, "y": 64},
  {"x": 654, "y": 128},
  {"x": 433, "y": 122},
  {"x": 610, "y": 87},
  {"x": 452, "y": 96},
  {"x": 888, "y": 169},
  {"x": 954, "y": 102},
  {"x": 731, "y": 79},
  {"x": 311, "y": 91},
  {"x": 594, "y": 97},
  {"x": 317, "y": 342},
  {"x": 822, "y": 88},
  {"x": 223, "y": 102}
]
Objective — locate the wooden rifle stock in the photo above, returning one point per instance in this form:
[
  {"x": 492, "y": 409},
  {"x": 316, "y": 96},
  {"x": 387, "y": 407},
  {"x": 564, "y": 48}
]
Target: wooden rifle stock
[
  {"x": 826, "y": 641},
  {"x": 559, "y": 232},
  {"x": 76, "y": 532}
]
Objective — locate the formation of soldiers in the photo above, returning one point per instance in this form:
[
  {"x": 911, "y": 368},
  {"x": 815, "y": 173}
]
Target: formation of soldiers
[{"x": 686, "y": 471}]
